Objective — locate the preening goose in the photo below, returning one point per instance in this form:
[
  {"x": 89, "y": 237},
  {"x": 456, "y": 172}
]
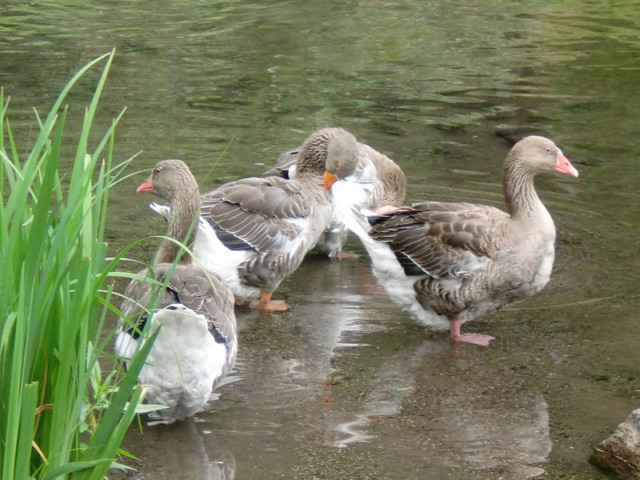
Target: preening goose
[
  {"x": 263, "y": 227},
  {"x": 197, "y": 343},
  {"x": 358, "y": 175},
  {"x": 449, "y": 263}
]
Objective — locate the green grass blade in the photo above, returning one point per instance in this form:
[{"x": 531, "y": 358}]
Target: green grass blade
[
  {"x": 27, "y": 424},
  {"x": 55, "y": 303}
]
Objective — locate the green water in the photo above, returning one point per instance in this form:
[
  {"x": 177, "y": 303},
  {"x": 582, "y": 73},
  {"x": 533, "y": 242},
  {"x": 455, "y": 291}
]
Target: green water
[{"x": 228, "y": 85}]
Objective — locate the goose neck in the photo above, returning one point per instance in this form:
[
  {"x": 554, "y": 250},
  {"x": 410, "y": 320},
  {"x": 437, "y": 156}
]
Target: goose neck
[
  {"x": 520, "y": 194},
  {"x": 183, "y": 224}
]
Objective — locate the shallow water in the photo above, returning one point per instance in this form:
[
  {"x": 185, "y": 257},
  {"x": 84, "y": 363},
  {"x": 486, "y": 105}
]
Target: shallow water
[{"x": 345, "y": 385}]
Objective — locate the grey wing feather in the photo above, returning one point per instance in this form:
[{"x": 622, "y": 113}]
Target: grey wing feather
[
  {"x": 189, "y": 285},
  {"x": 259, "y": 211},
  {"x": 442, "y": 239}
]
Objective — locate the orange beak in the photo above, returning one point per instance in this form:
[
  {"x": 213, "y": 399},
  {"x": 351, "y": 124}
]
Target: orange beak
[
  {"x": 564, "y": 166},
  {"x": 329, "y": 179},
  {"x": 146, "y": 187}
]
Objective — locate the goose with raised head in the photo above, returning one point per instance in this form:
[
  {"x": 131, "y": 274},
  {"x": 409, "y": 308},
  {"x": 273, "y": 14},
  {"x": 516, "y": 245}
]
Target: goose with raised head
[
  {"x": 197, "y": 343},
  {"x": 359, "y": 176},
  {"x": 449, "y": 263}
]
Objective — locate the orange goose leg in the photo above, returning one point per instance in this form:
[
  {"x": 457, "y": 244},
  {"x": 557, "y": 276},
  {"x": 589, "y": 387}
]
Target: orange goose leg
[
  {"x": 265, "y": 303},
  {"x": 473, "y": 338}
]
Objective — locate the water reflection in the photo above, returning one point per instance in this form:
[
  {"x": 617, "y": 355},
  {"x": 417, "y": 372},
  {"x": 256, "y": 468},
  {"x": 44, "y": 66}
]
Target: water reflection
[
  {"x": 475, "y": 415},
  {"x": 180, "y": 450},
  {"x": 392, "y": 383},
  {"x": 286, "y": 358},
  {"x": 482, "y": 417},
  {"x": 285, "y": 366}
]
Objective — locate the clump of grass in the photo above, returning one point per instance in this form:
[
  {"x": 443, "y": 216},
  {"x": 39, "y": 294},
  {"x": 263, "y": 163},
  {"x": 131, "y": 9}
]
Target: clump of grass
[{"x": 58, "y": 417}]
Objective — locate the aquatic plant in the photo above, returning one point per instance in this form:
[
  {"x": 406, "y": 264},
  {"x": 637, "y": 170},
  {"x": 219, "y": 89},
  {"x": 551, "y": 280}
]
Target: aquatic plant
[{"x": 58, "y": 417}]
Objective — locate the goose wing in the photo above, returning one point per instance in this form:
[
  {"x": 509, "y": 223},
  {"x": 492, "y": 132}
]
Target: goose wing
[
  {"x": 262, "y": 214},
  {"x": 442, "y": 239}
]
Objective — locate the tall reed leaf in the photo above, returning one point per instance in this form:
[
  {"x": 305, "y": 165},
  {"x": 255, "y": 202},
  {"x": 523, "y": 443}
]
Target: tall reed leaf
[{"x": 53, "y": 302}]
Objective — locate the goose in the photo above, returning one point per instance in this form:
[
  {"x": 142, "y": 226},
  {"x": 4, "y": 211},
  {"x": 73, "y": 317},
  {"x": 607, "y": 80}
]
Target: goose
[
  {"x": 263, "y": 227},
  {"x": 449, "y": 263},
  {"x": 255, "y": 231},
  {"x": 358, "y": 175},
  {"x": 197, "y": 343}
]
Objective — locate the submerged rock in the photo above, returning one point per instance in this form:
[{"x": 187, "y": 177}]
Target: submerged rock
[{"x": 621, "y": 451}]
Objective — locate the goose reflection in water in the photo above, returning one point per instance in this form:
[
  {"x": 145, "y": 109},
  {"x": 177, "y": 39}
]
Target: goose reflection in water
[{"x": 180, "y": 450}]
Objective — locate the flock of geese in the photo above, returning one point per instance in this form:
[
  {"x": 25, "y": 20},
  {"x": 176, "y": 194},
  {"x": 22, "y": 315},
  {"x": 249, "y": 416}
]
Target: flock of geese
[{"x": 444, "y": 263}]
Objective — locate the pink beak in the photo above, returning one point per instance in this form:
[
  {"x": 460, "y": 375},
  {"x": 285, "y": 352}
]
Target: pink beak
[
  {"x": 146, "y": 187},
  {"x": 564, "y": 166}
]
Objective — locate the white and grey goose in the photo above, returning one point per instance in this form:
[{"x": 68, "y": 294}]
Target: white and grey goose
[
  {"x": 263, "y": 227},
  {"x": 359, "y": 176},
  {"x": 449, "y": 263},
  {"x": 256, "y": 231},
  {"x": 197, "y": 343}
]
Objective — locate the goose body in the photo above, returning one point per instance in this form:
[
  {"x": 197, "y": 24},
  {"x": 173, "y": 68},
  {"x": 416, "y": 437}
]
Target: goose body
[
  {"x": 359, "y": 176},
  {"x": 449, "y": 263},
  {"x": 197, "y": 343},
  {"x": 256, "y": 231}
]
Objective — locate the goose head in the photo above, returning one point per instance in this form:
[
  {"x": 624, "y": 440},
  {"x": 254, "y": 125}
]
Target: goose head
[
  {"x": 529, "y": 157},
  {"x": 173, "y": 181},
  {"x": 170, "y": 179},
  {"x": 342, "y": 158},
  {"x": 536, "y": 154}
]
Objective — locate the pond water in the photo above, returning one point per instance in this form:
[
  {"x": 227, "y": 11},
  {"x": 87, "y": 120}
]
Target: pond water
[{"x": 345, "y": 385}]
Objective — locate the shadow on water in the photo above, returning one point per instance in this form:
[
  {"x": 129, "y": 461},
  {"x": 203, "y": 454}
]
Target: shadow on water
[{"x": 344, "y": 385}]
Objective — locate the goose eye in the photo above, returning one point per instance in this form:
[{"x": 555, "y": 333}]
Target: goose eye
[{"x": 156, "y": 171}]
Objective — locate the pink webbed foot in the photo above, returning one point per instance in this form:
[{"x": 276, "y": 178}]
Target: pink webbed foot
[
  {"x": 385, "y": 209},
  {"x": 271, "y": 306},
  {"x": 472, "y": 338},
  {"x": 345, "y": 254}
]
